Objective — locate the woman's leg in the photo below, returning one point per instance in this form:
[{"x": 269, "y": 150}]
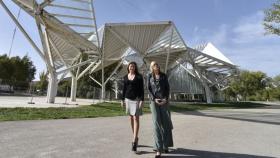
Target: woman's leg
[
  {"x": 136, "y": 127},
  {"x": 132, "y": 123},
  {"x": 135, "y": 130}
]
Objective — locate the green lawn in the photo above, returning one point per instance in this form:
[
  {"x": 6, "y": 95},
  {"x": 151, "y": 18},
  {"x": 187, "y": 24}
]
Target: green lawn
[{"x": 102, "y": 110}]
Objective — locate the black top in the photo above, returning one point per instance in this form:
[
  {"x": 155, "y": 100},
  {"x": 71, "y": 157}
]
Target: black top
[
  {"x": 133, "y": 89},
  {"x": 158, "y": 88}
]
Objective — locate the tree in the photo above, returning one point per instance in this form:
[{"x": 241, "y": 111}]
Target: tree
[
  {"x": 275, "y": 90},
  {"x": 29, "y": 67},
  {"x": 272, "y": 19},
  {"x": 276, "y": 81},
  {"x": 16, "y": 72},
  {"x": 275, "y": 94},
  {"x": 23, "y": 73},
  {"x": 43, "y": 83},
  {"x": 64, "y": 87},
  {"x": 20, "y": 73},
  {"x": 6, "y": 70},
  {"x": 247, "y": 84}
]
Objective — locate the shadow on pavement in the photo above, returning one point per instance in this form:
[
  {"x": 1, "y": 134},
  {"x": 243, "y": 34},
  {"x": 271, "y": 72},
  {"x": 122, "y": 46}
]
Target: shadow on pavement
[
  {"x": 181, "y": 152},
  {"x": 142, "y": 152},
  {"x": 241, "y": 117}
]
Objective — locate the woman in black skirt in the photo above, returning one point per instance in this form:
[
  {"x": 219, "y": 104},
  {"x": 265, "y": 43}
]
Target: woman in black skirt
[{"x": 133, "y": 99}]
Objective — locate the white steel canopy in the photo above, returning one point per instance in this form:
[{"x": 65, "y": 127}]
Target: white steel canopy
[
  {"x": 65, "y": 37},
  {"x": 212, "y": 59},
  {"x": 161, "y": 42},
  {"x": 64, "y": 27},
  {"x": 68, "y": 30},
  {"x": 119, "y": 38}
]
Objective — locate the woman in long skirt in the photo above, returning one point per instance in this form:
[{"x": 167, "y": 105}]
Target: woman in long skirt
[{"x": 158, "y": 88}]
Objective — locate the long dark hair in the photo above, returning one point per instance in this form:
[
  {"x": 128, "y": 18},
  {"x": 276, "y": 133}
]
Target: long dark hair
[{"x": 135, "y": 65}]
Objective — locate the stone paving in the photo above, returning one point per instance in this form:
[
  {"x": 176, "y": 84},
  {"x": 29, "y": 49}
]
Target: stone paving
[{"x": 231, "y": 133}]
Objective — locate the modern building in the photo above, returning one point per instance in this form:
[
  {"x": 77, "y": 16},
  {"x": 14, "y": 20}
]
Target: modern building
[{"x": 68, "y": 31}]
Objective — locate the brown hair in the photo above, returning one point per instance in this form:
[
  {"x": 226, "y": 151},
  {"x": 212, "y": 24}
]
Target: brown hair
[{"x": 136, "y": 68}]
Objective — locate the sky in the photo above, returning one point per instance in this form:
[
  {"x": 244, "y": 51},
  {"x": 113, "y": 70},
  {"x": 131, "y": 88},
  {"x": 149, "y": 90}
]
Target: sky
[{"x": 233, "y": 26}]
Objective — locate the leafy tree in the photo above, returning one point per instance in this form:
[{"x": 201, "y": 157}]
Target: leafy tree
[
  {"x": 29, "y": 67},
  {"x": 247, "y": 84},
  {"x": 16, "y": 72},
  {"x": 272, "y": 19},
  {"x": 19, "y": 75},
  {"x": 276, "y": 81},
  {"x": 275, "y": 90},
  {"x": 42, "y": 84},
  {"x": 276, "y": 93},
  {"x": 6, "y": 70},
  {"x": 64, "y": 87}
]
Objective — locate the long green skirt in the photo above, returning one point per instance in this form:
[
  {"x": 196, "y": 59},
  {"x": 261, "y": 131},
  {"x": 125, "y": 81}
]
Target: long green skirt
[{"x": 162, "y": 126}]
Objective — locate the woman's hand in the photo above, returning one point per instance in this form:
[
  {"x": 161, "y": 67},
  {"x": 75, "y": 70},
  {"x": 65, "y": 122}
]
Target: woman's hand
[
  {"x": 157, "y": 101},
  {"x": 164, "y": 101},
  {"x": 161, "y": 102}
]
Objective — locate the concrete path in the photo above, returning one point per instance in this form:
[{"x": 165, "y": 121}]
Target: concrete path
[
  {"x": 247, "y": 133},
  {"x": 40, "y": 102}
]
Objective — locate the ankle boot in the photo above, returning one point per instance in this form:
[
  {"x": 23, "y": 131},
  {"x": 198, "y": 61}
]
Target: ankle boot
[{"x": 134, "y": 145}]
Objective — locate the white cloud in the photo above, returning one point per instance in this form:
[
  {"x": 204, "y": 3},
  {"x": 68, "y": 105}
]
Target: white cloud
[
  {"x": 257, "y": 58},
  {"x": 245, "y": 43},
  {"x": 250, "y": 29},
  {"x": 251, "y": 48},
  {"x": 145, "y": 11},
  {"x": 218, "y": 37},
  {"x": 195, "y": 30}
]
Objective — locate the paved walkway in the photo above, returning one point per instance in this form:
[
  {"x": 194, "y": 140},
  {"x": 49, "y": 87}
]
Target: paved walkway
[
  {"x": 240, "y": 133},
  {"x": 40, "y": 102}
]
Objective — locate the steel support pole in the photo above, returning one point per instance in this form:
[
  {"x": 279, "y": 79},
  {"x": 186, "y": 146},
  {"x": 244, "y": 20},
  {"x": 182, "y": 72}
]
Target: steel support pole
[
  {"x": 74, "y": 83},
  {"x": 116, "y": 89},
  {"x": 169, "y": 48},
  {"x": 95, "y": 81},
  {"x": 73, "y": 88},
  {"x": 102, "y": 80},
  {"x": 52, "y": 87},
  {"x": 95, "y": 25},
  {"x": 207, "y": 92},
  {"x": 114, "y": 71}
]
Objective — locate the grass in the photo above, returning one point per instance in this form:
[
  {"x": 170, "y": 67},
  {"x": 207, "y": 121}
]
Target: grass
[
  {"x": 90, "y": 111},
  {"x": 103, "y": 110}
]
